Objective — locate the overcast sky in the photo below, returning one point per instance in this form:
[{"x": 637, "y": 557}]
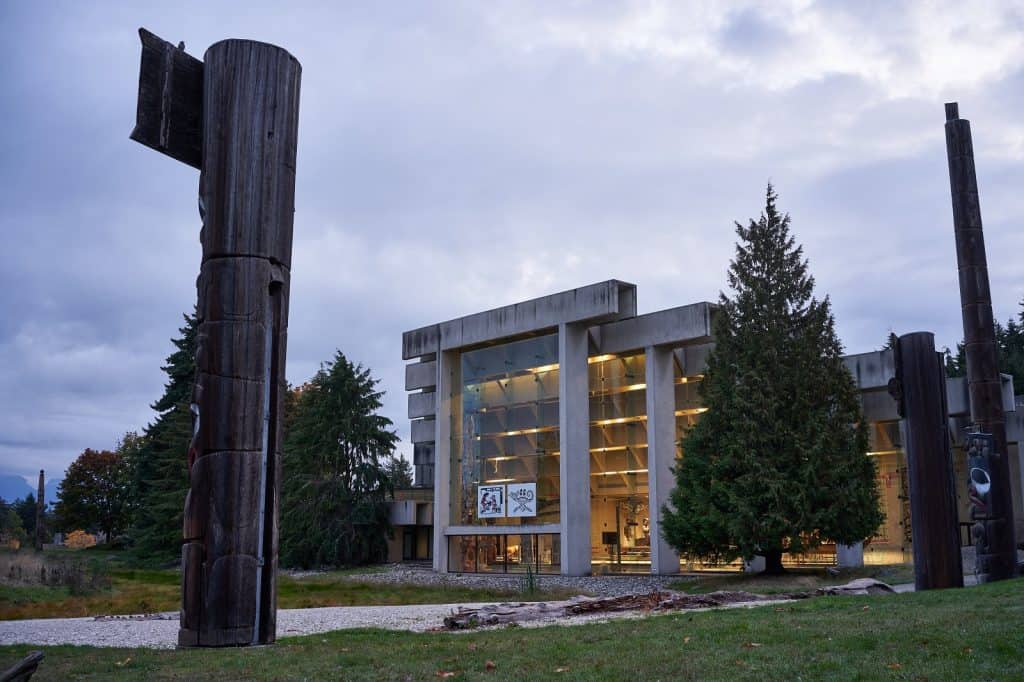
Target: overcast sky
[{"x": 455, "y": 157}]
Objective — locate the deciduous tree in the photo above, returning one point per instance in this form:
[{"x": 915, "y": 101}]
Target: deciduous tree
[
  {"x": 95, "y": 493},
  {"x": 778, "y": 462}
]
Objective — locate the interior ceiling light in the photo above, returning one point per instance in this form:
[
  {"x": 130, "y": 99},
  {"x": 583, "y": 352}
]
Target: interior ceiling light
[
  {"x": 616, "y": 473},
  {"x": 600, "y": 358}
]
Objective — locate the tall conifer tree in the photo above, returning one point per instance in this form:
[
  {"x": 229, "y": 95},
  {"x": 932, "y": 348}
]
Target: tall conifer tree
[
  {"x": 160, "y": 472},
  {"x": 778, "y": 462},
  {"x": 336, "y": 483}
]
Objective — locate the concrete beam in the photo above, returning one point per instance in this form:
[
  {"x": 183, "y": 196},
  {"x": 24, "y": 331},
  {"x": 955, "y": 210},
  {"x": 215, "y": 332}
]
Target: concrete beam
[
  {"x": 694, "y": 359},
  {"x": 661, "y": 450},
  {"x": 574, "y": 443},
  {"x": 596, "y": 303},
  {"x": 442, "y": 438},
  {"x": 525, "y": 529},
  {"x": 878, "y": 406},
  {"x": 675, "y": 326},
  {"x": 422, "y": 404},
  {"x": 422, "y": 431},
  {"x": 871, "y": 370},
  {"x": 420, "y": 375},
  {"x": 402, "y": 512}
]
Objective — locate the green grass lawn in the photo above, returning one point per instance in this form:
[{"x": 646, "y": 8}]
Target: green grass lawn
[
  {"x": 975, "y": 633},
  {"x": 148, "y": 590},
  {"x": 794, "y": 580}
]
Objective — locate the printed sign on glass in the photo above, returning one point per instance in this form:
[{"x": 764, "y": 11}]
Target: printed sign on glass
[
  {"x": 490, "y": 501},
  {"x": 522, "y": 499}
]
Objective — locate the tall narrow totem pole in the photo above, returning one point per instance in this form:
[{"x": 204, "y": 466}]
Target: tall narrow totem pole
[
  {"x": 993, "y": 530},
  {"x": 40, "y": 538},
  {"x": 235, "y": 117}
]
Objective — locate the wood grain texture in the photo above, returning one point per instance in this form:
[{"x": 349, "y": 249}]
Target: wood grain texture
[
  {"x": 934, "y": 518},
  {"x": 247, "y": 195},
  {"x": 997, "y": 555},
  {"x": 169, "y": 114}
]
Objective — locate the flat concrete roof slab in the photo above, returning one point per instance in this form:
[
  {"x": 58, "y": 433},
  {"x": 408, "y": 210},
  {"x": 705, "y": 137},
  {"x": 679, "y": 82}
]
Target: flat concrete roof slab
[{"x": 609, "y": 300}]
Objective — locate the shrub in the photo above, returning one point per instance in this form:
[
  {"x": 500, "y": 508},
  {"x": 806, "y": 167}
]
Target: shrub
[{"x": 79, "y": 539}]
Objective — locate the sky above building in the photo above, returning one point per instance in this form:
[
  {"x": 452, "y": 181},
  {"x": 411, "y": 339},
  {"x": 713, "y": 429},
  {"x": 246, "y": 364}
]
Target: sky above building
[{"x": 454, "y": 157}]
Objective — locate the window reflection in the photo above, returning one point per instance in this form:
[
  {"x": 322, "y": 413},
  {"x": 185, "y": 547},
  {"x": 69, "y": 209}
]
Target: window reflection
[{"x": 505, "y": 428}]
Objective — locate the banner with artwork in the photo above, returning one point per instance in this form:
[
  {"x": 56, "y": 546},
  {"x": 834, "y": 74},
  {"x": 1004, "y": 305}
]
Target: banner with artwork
[
  {"x": 522, "y": 499},
  {"x": 490, "y": 501}
]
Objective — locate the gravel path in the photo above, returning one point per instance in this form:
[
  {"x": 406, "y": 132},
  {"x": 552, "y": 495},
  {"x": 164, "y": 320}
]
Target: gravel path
[{"x": 161, "y": 630}]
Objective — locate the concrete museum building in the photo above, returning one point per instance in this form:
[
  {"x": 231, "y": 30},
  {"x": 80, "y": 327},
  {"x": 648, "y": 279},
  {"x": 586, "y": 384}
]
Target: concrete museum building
[{"x": 545, "y": 432}]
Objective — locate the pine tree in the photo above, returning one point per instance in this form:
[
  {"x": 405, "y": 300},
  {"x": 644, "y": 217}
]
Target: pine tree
[
  {"x": 160, "y": 469},
  {"x": 336, "y": 485},
  {"x": 778, "y": 462}
]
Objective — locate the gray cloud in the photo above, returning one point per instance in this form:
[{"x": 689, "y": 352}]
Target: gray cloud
[{"x": 461, "y": 156}]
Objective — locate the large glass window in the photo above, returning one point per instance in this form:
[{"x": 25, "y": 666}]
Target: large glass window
[
  {"x": 620, "y": 531},
  {"x": 539, "y": 553},
  {"x": 505, "y": 435}
]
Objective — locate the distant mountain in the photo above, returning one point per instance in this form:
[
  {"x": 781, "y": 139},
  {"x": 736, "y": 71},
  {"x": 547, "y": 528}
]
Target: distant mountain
[
  {"x": 14, "y": 487},
  {"x": 51, "y": 489}
]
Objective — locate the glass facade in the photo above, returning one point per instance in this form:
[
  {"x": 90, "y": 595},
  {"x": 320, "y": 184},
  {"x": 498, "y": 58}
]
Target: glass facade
[
  {"x": 620, "y": 531},
  {"x": 539, "y": 553},
  {"x": 505, "y": 436}
]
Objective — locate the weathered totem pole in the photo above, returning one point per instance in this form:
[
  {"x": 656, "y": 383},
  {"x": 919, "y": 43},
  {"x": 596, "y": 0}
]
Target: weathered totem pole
[
  {"x": 40, "y": 538},
  {"x": 235, "y": 117},
  {"x": 920, "y": 391},
  {"x": 993, "y": 530}
]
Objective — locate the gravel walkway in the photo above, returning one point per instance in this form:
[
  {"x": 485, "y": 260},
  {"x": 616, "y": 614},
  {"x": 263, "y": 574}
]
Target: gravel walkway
[{"x": 161, "y": 630}]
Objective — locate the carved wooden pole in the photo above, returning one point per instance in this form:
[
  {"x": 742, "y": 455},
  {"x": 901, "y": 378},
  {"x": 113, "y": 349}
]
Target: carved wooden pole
[
  {"x": 242, "y": 134},
  {"x": 920, "y": 389},
  {"x": 994, "y": 531},
  {"x": 40, "y": 538}
]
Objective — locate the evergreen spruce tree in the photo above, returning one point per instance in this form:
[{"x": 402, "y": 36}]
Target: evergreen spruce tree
[
  {"x": 160, "y": 469},
  {"x": 336, "y": 484},
  {"x": 1009, "y": 347},
  {"x": 777, "y": 463}
]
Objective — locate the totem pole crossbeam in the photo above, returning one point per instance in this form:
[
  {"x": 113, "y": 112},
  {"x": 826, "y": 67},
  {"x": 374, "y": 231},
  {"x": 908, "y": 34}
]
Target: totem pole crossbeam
[{"x": 235, "y": 117}]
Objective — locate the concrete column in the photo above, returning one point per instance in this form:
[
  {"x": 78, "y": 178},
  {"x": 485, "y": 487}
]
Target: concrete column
[
  {"x": 850, "y": 556},
  {"x": 661, "y": 450},
  {"x": 443, "y": 458},
  {"x": 574, "y": 444}
]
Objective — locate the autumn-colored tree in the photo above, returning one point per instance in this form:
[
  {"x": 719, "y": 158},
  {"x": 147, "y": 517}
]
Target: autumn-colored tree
[
  {"x": 79, "y": 539},
  {"x": 95, "y": 493}
]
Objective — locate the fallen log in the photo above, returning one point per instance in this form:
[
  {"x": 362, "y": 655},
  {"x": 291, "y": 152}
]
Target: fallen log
[
  {"x": 24, "y": 669},
  {"x": 523, "y": 612}
]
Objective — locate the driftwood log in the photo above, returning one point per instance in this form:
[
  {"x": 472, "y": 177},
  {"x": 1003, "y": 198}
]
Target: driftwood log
[
  {"x": 524, "y": 612},
  {"x": 24, "y": 669}
]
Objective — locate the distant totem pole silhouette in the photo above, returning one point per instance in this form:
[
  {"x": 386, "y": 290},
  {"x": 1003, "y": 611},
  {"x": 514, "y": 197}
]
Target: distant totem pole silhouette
[{"x": 234, "y": 116}]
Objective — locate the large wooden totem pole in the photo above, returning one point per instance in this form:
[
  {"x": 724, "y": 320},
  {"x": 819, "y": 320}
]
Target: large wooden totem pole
[
  {"x": 235, "y": 117},
  {"x": 988, "y": 459}
]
